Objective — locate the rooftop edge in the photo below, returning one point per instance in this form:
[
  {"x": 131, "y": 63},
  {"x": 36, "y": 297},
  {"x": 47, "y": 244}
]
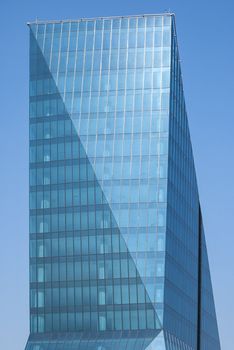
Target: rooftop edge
[{"x": 98, "y": 18}]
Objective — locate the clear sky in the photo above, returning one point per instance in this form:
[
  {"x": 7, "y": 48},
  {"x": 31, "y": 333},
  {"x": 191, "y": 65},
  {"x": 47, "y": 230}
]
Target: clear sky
[{"x": 205, "y": 32}]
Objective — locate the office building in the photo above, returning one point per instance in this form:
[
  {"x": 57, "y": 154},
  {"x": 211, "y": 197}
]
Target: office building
[{"x": 118, "y": 257}]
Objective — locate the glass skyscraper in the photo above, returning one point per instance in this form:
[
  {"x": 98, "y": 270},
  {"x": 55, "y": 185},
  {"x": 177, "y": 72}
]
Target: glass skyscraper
[{"x": 118, "y": 258}]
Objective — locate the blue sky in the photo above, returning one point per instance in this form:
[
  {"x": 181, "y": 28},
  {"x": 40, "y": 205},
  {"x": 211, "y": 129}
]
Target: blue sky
[{"x": 205, "y": 33}]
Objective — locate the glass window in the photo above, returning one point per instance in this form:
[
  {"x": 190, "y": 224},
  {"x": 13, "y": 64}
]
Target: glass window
[
  {"x": 101, "y": 296},
  {"x": 102, "y": 322}
]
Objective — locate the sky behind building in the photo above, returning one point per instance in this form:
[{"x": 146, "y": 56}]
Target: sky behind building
[{"x": 205, "y": 40}]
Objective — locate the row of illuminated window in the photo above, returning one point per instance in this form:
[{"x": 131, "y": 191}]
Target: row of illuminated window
[
  {"x": 131, "y": 169},
  {"x": 60, "y": 173},
  {"x": 106, "y": 40},
  {"x": 105, "y": 60},
  {"x": 107, "y": 128},
  {"x": 78, "y": 196},
  {"x": 125, "y": 171},
  {"x": 118, "y": 320},
  {"x": 101, "y": 148},
  {"x": 74, "y": 196},
  {"x": 117, "y": 81},
  {"x": 92, "y": 219},
  {"x": 107, "y": 80},
  {"x": 77, "y": 245},
  {"x": 62, "y": 116},
  {"x": 150, "y": 100},
  {"x": 97, "y": 231},
  {"x": 93, "y": 244},
  {"x": 99, "y": 269},
  {"x": 102, "y": 125},
  {"x": 122, "y": 80},
  {"x": 102, "y": 63},
  {"x": 103, "y": 24},
  {"x": 52, "y": 129},
  {"x": 93, "y": 295}
]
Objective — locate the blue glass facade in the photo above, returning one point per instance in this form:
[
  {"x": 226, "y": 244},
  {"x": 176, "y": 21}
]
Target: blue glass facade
[{"x": 117, "y": 251}]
